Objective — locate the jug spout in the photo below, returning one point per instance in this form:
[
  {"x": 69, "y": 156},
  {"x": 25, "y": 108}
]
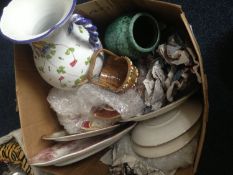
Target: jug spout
[{"x": 27, "y": 21}]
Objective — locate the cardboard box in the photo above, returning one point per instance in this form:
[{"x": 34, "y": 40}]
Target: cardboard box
[{"x": 38, "y": 119}]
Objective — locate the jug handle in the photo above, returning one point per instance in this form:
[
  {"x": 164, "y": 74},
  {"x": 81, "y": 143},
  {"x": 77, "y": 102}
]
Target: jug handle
[
  {"x": 132, "y": 73},
  {"x": 93, "y": 61},
  {"x": 87, "y": 24}
]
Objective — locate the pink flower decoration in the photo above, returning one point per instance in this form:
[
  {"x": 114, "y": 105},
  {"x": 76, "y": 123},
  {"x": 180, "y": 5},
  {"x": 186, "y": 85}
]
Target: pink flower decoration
[
  {"x": 73, "y": 63},
  {"x": 86, "y": 124},
  {"x": 61, "y": 78}
]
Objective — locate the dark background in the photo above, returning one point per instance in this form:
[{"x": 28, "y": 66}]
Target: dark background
[{"x": 212, "y": 22}]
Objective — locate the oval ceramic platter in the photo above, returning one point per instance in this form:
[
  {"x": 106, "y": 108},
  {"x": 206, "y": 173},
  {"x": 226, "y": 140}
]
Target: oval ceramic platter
[
  {"x": 161, "y": 110},
  {"x": 168, "y": 126},
  {"x": 62, "y": 136},
  {"x": 87, "y": 147},
  {"x": 169, "y": 147}
]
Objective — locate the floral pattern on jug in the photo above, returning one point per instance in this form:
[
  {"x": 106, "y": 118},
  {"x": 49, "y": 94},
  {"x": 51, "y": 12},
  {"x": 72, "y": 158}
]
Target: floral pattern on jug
[
  {"x": 65, "y": 66},
  {"x": 64, "y": 69}
]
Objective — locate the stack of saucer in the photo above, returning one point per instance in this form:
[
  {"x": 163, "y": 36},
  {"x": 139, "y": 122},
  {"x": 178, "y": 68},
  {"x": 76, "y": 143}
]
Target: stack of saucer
[{"x": 169, "y": 132}]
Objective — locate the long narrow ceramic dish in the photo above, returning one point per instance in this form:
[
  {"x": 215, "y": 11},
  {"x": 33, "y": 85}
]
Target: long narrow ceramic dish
[
  {"x": 161, "y": 110},
  {"x": 62, "y": 136},
  {"x": 83, "y": 152}
]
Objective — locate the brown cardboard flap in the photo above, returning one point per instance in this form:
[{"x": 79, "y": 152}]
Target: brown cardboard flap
[
  {"x": 197, "y": 50},
  {"x": 163, "y": 11},
  {"x": 103, "y": 10},
  {"x": 185, "y": 171},
  {"x": 204, "y": 90},
  {"x": 88, "y": 166},
  {"x": 201, "y": 142},
  {"x": 161, "y": 5},
  {"x": 36, "y": 117}
]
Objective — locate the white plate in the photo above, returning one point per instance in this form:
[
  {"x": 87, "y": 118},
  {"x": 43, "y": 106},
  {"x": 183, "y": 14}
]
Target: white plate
[
  {"x": 168, "y": 126},
  {"x": 63, "y": 136},
  {"x": 161, "y": 110},
  {"x": 80, "y": 154},
  {"x": 169, "y": 147}
]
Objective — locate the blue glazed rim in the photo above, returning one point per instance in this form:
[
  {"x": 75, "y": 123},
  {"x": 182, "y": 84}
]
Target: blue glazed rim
[{"x": 60, "y": 23}]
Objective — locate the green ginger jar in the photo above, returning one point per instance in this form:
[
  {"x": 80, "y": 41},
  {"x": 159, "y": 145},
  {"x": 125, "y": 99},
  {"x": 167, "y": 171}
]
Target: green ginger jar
[{"x": 133, "y": 35}]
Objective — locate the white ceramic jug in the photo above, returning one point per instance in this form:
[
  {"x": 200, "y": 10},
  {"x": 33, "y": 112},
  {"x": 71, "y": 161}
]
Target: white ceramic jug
[{"x": 62, "y": 42}]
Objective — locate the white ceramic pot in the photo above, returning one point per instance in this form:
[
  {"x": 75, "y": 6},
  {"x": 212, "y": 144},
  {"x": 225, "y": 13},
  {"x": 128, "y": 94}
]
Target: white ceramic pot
[{"x": 62, "y": 42}]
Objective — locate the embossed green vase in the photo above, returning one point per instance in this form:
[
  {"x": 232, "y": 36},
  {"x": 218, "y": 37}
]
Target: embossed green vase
[{"x": 133, "y": 35}]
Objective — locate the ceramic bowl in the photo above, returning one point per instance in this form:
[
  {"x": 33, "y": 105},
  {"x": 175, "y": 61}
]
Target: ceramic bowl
[
  {"x": 168, "y": 126},
  {"x": 169, "y": 147}
]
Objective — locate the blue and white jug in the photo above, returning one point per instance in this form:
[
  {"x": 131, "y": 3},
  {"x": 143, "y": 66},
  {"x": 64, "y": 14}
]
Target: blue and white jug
[{"x": 62, "y": 42}]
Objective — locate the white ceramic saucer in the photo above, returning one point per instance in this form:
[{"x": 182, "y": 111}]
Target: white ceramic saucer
[
  {"x": 161, "y": 110},
  {"x": 168, "y": 126},
  {"x": 81, "y": 153},
  {"x": 169, "y": 147},
  {"x": 63, "y": 136}
]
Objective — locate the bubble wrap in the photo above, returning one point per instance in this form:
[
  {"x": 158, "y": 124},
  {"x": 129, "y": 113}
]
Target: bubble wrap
[
  {"x": 123, "y": 153},
  {"x": 72, "y": 107},
  {"x": 72, "y": 123},
  {"x": 82, "y": 100}
]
